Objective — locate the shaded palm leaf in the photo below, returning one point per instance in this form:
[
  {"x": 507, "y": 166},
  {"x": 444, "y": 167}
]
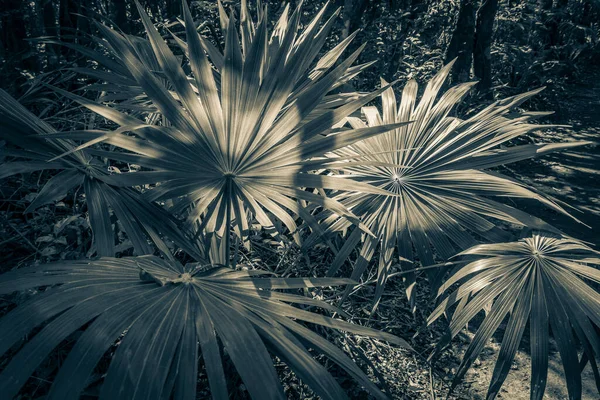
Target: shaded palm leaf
[
  {"x": 236, "y": 145},
  {"x": 438, "y": 167},
  {"x": 40, "y": 147},
  {"x": 162, "y": 312},
  {"x": 540, "y": 280},
  {"x": 114, "y": 83}
]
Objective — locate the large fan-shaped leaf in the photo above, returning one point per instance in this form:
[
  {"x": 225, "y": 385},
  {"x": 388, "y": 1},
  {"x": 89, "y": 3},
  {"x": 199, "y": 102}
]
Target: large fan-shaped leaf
[
  {"x": 540, "y": 279},
  {"x": 238, "y": 128},
  {"x": 163, "y": 311},
  {"x": 40, "y": 143}
]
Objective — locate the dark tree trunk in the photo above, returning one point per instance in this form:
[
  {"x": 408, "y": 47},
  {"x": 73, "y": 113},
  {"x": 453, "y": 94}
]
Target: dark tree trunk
[
  {"x": 83, "y": 22},
  {"x": 461, "y": 44},
  {"x": 352, "y": 14},
  {"x": 552, "y": 18},
  {"x": 13, "y": 34},
  {"x": 35, "y": 21},
  {"x": 120, "y": 15},
  {"x": 174, "y": 9},
  {"x": 49, "y": 18},
  {"x": 561, "y": 12},
  {"x": 50, "y": 30},
  {"x": 67, "y": 21},
  {"x": 482, "y": 58}
]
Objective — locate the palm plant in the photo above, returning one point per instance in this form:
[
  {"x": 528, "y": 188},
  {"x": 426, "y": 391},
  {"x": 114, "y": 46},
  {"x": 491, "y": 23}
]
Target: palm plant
[
  {"x": 540, "y": 279},
  {"x": 242, "y": 134},
  {"x": 40, "y": 147},
  {"x": 160, "y": 312},
  {"x": 234, "y": 141},
  {"x": 437, "y": 172}
]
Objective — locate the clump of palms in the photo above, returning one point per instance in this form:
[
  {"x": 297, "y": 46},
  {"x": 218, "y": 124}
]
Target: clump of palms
[
  {"x": 540, "y": 280},
  {"x": 256, "y": 135},
  {"x": 242, "y": 131},
  {"x": 437, "y": 173},
  {"x": 231, "y": 144}
]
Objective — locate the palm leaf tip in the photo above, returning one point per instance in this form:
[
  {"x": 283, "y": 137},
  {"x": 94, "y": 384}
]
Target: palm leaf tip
[
  {"x": 541, "y": 280},
  {"x": 163, "y": 313}
]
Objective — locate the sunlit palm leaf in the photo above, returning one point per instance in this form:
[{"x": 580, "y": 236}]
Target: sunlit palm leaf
[
  {"x": 240, "y": 129},
  {"x": 542, "y": 280},
  {"x": 38, "y": 143},
  {"x": 441, "y": 177},
  {"x": 161, "y": 312}
]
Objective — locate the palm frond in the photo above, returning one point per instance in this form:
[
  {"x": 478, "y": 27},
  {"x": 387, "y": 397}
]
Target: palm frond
[
  {"x": 40, "y": 148},
  {"x": 540, "y": 280},
  {"x": 164, "y": 314}
]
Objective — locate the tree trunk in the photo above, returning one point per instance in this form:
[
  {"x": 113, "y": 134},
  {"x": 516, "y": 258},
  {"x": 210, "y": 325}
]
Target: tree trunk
[
  {"x": 83, "y": 22},
  {"x": 352, "y": 14},
  {"x": 461, "y": 44},
  {"x": 551, "y": 23},
  {"x": 50, "y": 30},
  {"x": 174, "y": 9},
  {"x": 67, "y": 21},
  {"x": 482, "y": 58},
  {"x": 13, "y": 33},
  {"x": 36, "y": 30},
  {"x": 120, "y": 15}
]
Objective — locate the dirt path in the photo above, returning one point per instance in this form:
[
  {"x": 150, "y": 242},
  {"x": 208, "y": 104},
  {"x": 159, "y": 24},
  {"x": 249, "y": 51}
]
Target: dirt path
[{"x": 517, "y": 384}]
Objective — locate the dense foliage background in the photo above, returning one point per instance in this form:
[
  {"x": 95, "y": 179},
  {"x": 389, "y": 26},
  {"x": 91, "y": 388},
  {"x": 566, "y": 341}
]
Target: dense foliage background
[
  {"x": 531, "y": 43},
  {"x": 509, "y": 46}
]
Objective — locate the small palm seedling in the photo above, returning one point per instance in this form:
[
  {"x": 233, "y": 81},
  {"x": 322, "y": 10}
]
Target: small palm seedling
[
  {"x": 161, "y": 312},
  {"x": 40, "y": 147},
  {"x": 241, "y": 132},
  {"x": 438, "y": 171},
  {"x": 540, "y": 280}
]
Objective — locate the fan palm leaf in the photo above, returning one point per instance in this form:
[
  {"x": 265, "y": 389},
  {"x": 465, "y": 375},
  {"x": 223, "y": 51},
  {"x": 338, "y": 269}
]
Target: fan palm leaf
[
  {"x": 540, "y": 280},
  {"x": 438, "y": 170},
  {"x": 162, "y": 312},
  {"x": 39, "y": 148}
]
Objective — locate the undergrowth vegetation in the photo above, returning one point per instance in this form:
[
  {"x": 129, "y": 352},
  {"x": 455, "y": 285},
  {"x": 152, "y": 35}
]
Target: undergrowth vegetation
[{"x": 194, "y": 156}]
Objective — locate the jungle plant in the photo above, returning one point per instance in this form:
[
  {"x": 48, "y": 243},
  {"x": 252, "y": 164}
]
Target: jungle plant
[
  {"x": 243, "y": 133},
  {"x": 437, "y": 171},
  {"x": 166, "y": 312},
  {"x": 261, "y": 134},
  {"x": 540, "y": 280}
]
